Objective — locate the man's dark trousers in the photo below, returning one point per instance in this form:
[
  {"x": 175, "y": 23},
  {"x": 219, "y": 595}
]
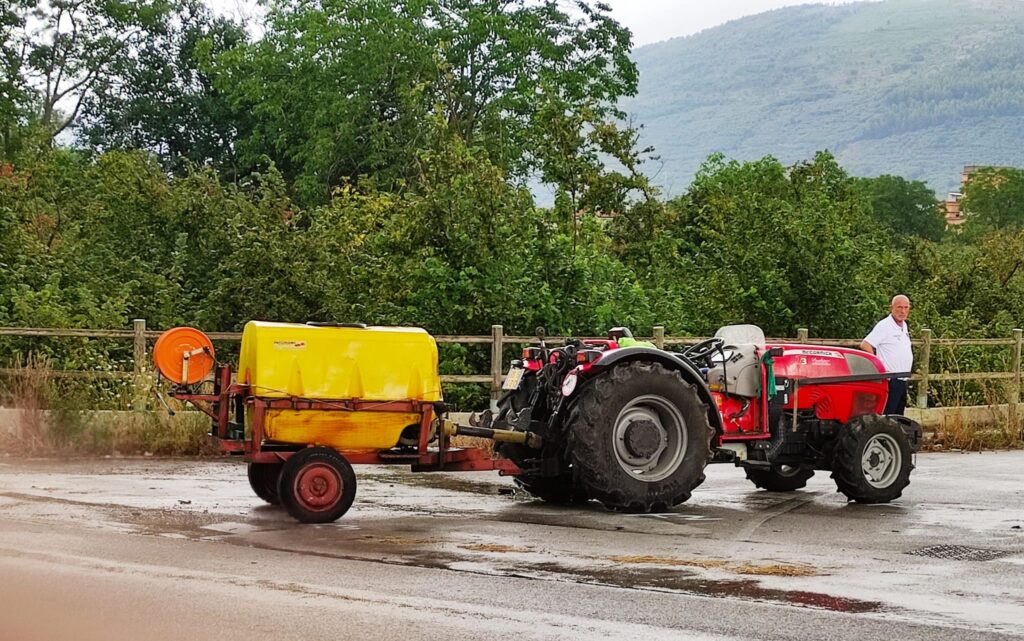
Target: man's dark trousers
[{"x": 897, "y": 396}]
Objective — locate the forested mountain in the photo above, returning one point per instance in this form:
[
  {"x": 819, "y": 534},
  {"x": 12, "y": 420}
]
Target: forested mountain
[{"x": 915, "y": 88}]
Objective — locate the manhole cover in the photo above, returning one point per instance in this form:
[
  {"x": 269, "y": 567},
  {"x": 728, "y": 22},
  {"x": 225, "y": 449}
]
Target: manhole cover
[{"x": 959, "y": 553}]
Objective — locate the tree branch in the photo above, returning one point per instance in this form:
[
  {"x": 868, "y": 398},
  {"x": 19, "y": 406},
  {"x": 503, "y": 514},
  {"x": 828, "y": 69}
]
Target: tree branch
[
  {"x": 74, "y": 113},
  {"x": 64, "y": 57},
  {"x": 1013, "y": 271}
]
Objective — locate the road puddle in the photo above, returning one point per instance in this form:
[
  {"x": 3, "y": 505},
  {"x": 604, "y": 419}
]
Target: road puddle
[
  {"x": 690, "y": 582},
  {"x": 440, "y": 481},
  {"x": 686, "y": 579}
]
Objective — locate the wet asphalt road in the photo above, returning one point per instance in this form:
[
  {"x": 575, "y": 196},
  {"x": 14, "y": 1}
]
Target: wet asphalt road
[{"x": 153, "y": 549}]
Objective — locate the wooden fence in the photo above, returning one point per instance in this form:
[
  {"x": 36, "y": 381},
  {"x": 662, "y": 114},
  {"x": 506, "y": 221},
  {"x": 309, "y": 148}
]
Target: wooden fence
[{"x": 923, "y": 376}]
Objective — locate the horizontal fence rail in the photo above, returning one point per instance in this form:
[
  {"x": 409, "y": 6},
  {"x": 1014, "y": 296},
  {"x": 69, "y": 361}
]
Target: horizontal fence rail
[{"x": 923, "y": 375}]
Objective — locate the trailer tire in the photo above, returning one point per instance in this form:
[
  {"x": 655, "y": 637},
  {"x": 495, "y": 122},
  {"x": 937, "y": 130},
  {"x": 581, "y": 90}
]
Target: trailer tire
[
  {"x": 872, "y": 460},
  {"x": 639, "y": 438},
  {"x": 263, "y": 479},
  {"x": 779, "y": 480},
  {"x": 317, "y": 485}
]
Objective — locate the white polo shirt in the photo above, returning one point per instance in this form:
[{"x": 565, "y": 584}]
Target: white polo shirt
[{"x": 892, "y": 345}]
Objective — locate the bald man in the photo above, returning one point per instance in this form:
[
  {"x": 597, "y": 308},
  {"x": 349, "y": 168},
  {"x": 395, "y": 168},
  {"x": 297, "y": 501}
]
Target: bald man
[{"x": 890, "y": 342}]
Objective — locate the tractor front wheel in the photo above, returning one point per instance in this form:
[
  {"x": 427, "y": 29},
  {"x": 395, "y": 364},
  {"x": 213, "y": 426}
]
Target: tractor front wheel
[
  {"x": 873, "y": 460},
  {"x": 640, "y": 438},
  {"x": 317, "y": 485},
  {"x": 781, "y": 478},
  {"x": 263, "y": 479}
]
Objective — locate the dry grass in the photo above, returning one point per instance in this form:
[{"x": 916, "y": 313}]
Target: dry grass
[
  {"x": 977, "y": 429},
  {"x": 493, "y": 547},
  {"x": 966, "y": 425},
  {"x": 398, "y": 540},
  {"x": 126, "y": 432},
  {"x": 467, "y": 442},
  {"x": 660, "y": 560},
  {"x": 50, "y": 420},
  {"x": 29, "y": 395},
  {"x": 775, "y": 569}
]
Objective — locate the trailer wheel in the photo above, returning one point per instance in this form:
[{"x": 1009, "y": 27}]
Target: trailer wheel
[
  {"x": 640, "y": 438},
  {"x": 781, "y": 478},
  {"x": 317, "y": 485},
  {"x": 872, "y": 460},
  {"x": 263, "y": 479}
]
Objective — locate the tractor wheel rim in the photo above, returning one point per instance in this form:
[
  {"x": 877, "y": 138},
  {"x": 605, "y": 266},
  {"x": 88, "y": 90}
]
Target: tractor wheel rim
[
  {"x": 881, "y": 461},
  {"x": 318, "y": 487},
  {"x": 669, "y": 428}
]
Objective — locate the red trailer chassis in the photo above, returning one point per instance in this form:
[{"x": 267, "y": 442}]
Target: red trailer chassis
[{"x": 230, "y": 396}]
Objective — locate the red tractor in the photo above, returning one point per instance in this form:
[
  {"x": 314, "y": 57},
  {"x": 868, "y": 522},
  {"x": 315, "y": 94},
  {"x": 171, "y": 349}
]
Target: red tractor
[{"x": 633, "y": 426}]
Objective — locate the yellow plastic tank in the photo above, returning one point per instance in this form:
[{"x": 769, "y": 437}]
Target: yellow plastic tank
[{"x": 282, "y": 360}]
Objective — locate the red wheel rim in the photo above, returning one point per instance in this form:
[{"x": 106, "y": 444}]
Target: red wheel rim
[{"x": 318, "y": 487}]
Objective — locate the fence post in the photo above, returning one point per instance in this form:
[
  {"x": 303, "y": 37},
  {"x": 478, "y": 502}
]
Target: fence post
[
  {"x": 497, "y": 343},
  {"x": 924, "y": 368},
  {"x": 1015, "y": 382},
  {"x": 139, "y": 363},
  {"x": 801, "y": 335},
  {"x": 659, "y": 336}
]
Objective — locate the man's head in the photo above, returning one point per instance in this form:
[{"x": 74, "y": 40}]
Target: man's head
[{"x": 900, "y": 308}]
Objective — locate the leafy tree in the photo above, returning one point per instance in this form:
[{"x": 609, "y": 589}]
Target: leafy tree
[
  {"x": 66, "y": 47},
  {"x": 994, "y": 200},
  {"x": 14, "y": 94},
  {"x": 454, "y": 248},
  {"x": 780, "y": 247},
  {"x": 595, "y": 166},
  {"x": 907, "y": 208},
  {"x": 343, "y": 89},
  {"x": 158, "y": 95}
]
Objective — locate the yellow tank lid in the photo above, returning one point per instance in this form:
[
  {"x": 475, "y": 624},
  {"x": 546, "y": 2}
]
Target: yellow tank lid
[{"x": 371, "y": 363}]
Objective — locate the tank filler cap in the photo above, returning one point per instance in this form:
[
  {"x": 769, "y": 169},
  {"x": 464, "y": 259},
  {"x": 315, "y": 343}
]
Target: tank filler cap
[{"x": 183, "y": 355}]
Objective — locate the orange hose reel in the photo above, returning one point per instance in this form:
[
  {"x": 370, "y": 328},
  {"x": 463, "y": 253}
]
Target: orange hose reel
[{"x": 183, "y": 355}]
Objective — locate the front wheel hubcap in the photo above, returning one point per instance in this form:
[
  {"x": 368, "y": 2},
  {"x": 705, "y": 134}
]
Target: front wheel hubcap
[{"x": 881, "y": 461}]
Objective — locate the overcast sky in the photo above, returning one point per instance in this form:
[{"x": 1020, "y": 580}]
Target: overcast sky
[{"x": 649, "y": 20}]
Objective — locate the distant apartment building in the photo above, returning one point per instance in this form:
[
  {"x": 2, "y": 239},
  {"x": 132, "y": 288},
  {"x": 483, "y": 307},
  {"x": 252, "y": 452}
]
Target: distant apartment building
[{"x": 954, "y": 214}]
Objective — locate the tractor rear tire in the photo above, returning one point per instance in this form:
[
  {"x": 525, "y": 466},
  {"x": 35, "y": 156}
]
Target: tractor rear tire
[
  {"x": 557, "y": 490},
  {"x": 263, "y": 478},
  {"x": 872, "y": 460},
  {"x": 639, "y": 438},
  {"x": 778, "y": 479},
  {"x": 317, "y": 485}
]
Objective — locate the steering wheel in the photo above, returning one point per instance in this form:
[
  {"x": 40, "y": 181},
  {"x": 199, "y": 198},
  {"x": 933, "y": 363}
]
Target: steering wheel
[{"x": 702, "y": 350}]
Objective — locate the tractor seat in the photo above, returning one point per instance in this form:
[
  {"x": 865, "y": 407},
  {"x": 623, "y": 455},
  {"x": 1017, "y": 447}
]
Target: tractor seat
[
  {"x": 741, "y": 335},
  {"x": 738, "y": 372}
]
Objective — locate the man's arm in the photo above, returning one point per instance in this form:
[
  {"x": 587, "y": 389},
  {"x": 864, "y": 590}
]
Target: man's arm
[{"x": 875, "y": 337}]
